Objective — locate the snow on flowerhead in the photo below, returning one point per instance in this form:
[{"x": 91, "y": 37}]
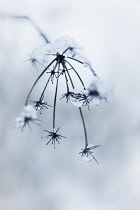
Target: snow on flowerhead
[
  {"x": 96, "y": 92},
  {"x": 65, "y": 46},
  {"x": 93, "y": 95},
  {"x": 28, "y": 114},
  {"x": 60, "y": 45}
]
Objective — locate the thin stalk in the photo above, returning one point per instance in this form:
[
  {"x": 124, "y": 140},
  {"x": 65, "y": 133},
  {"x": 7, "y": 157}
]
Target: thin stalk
[
  {"x": 37, "y": 81},
  {"x": 65, "y": 51},
  {"x": 85, "y": 131},
  {"x": 70, "y": 79},
  {"x": 64, "y": 67},
  {"x": 75, "y": 60},
  {"x": 83, "y": 63},
  {"x": 76, "y": 73},
  {"x": 55, "y": 97},
  {"x": 32, "y": 22},
  {"x": 41, "y": 97},
  {"x": 39, "y": 30}
]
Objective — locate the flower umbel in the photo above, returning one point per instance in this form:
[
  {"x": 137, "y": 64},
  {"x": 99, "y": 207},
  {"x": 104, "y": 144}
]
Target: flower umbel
[
  {"x": 54, "y": 136},
  {"x": 60, "y": 61},
  {"x": 87, "y": 153}
]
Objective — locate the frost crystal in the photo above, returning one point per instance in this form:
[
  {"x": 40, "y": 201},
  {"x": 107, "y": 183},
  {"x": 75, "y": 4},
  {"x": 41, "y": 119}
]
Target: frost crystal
[
  {"x": 87, "y": 157},
  {"x": 75, "y": 99},
  {"x": 87, "y": 153}
]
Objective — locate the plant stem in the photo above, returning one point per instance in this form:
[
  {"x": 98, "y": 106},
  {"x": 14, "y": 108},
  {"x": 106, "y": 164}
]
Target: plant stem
[
  {"x": 37, "y": 81},
  {"x": 42, "y": 95},
  {"x": 85, "y": 131},
  {"x": 70, "y": 79},
  {"x": 83, "y": 63},
  {"x": 76, "y": 73},
  {"x": 65, "y": 69},
  {"x": 27, "y": 18},
  {"x": 55, "y": 97},
  {"x": 76, "y": 60}
]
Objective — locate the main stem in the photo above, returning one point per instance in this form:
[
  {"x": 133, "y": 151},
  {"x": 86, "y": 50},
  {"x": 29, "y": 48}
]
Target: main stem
[{"x": 85, "y": 131}]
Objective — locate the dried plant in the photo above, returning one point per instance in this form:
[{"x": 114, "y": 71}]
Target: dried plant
[{"x": 60, "y": 59}]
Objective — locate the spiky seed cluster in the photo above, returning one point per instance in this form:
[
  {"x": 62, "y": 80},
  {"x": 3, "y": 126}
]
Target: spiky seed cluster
[
  {"x": 53, "y": 136},
  {"x": 39, "y": 105}
]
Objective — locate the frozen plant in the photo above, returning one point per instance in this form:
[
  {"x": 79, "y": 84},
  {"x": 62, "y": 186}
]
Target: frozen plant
[{"x": 61, "y": 58}]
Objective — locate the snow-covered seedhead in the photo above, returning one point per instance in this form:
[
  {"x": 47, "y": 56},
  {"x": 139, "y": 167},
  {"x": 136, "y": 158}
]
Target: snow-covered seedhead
[
  {"x": 63, "y": 46},
  {"x": 28, "y": 114},
  {"x": 93, "y": 95},
  {"x": 40, "y": 105},
  {"x": 63, "y": 58},
  {"x": 96, "y": 92}
]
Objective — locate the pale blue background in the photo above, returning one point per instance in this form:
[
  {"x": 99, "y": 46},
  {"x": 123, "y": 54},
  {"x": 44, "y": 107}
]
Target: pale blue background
[{"x": 34, "y": 176}]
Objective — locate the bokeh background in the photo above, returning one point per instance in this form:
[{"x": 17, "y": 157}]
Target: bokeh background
[{"x": 34, "y": 176}]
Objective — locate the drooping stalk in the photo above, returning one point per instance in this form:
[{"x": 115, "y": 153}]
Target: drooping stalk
[
  {"x": 65, "y": 50},
  {"x": 81, "y": 114},
  {"x": 76, "y": 73},
  {"x": 37, "y": 81},
  {"x": 75, "y": 60},
  {"x": 55, "y": 97},
  {"x": 69, "y": 76},
  {"x": 64, "y": 67},
  {"x": 83, "y": 63},
  {"x": 27, "y": 18},
  {"x": 70, "y": 79},
  {"x": 41, "y": 97},
  {"x": 85, "y": 131}
]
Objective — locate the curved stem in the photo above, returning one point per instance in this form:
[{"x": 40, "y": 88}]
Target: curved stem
[
  {"x": 75, "y": 60},
  {"x": 83, "y": 63},
  {"x": 85, "y": 131},
  {"x": 37, "y": 81},
  {"x": 65, "y": 50},
  {"x": 76, "y": 73},
  {"x": 27, "y": 18},
  {"x": 39, "y": 30}
]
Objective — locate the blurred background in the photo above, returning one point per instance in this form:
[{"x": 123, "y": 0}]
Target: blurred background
[{"x": 34, "y": 176}]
